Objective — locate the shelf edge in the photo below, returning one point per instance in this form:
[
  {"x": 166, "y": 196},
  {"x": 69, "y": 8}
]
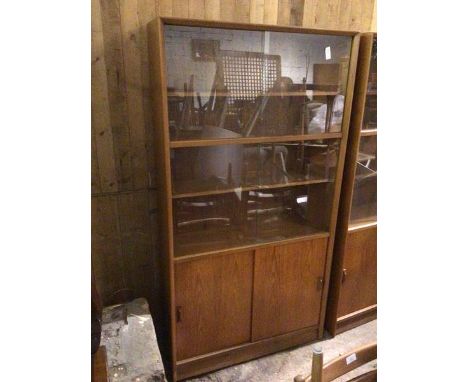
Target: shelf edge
[
  {"x": 318, "y": 235},
  {"x": 253, "y": 140}
]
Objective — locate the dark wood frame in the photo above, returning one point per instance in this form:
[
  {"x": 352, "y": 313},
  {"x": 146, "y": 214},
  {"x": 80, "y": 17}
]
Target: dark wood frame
[
  {"x": 186, "y": 368},
  {"x": 333, "y": 323}
]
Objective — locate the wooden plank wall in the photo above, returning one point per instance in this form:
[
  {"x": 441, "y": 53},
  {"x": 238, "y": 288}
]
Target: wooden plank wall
[{"x": 124, "y": 254}]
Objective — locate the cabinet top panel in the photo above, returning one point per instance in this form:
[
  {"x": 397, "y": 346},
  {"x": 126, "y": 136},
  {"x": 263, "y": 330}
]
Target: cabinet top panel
[{"x": 251, "y": 26}]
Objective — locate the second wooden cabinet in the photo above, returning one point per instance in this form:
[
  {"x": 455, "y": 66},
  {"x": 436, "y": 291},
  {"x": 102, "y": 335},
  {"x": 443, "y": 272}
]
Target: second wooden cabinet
[
  {"x": 353, "y": 282},
  {"x": 359, "y": 279}
]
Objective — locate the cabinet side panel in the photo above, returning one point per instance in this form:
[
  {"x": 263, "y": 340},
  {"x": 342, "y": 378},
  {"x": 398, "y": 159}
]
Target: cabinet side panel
[
  {"x": 339, "y": 174},
  {"x": 164, "y": 206},
  {"x": 362, "y": 72}
]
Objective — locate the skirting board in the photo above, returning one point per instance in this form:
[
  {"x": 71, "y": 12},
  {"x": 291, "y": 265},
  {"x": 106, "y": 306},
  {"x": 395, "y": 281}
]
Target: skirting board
[{"x": 245, "y": 352}]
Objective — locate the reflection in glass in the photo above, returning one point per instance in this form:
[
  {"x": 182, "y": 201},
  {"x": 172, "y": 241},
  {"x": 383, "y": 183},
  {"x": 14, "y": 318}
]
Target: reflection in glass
[
  {"x": 220, "y": 221},
  {"x": 364, "y": 204},
  {"x": 236, "y": 83},
  {"x": 370, "y": 110},
  {"x": 227, "y": 167}
]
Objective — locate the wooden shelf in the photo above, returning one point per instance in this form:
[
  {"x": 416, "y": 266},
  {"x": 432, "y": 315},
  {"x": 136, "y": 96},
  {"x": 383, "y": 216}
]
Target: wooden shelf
[
  {"x": 362, "y": 224},
  {"x": 253, "y": 140},
  {"x": 371, "y": 92},
  {"x": 368, "y": 132},
  {"x": 247, "y": 188},
  {"x": 364, "y": 157},
  {"x": 365, "y": 176},
  {"x": 229, "y": 240},
  {"x": 313, "y": 93}
]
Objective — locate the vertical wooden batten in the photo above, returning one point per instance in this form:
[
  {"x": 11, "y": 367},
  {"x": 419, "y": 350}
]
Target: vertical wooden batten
[
  {"x": 333, "y": 14},
  {"x": 257, "y": 11},
  {"x": 308, "y": 18},
  {"x": 197, "y": 9},
  {"x": 180, "y": 8},
  {"x": 344, "y": 13},
  {"x": 270, "y": 12},
  {"x": 212, "y": 9},
  {"x": 367, "y": 15},
  {"x": 105, "y": 241},
  {"x": 284, "y": 12},
  {"x": 100, "y": 110},
  {"x": 95, "y": 181},
  {"x": 297, "y": 12},
  {"x": 136, "y": 241},
  {"x": 117, "y": 93},
  {"x": 132, "y": 50},
  {"x": 242, "y": 11},
  {"x": 165, "y": 7},
  {"x": 227, "y": 11},
  {"x": 147, "y": 11},
  {"x": 356, "y": 15},
  {"x": 322, "y": 14}
]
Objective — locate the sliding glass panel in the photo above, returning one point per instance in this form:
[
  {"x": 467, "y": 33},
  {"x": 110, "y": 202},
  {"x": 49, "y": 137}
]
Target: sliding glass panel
[
  {"x": 370, "y": 111},
  {"x": 224, "y": 168},
  {"x": 226, "y": 83},
  {"x": 220, "y": 221},
  {"x": 364, "y": 204}
]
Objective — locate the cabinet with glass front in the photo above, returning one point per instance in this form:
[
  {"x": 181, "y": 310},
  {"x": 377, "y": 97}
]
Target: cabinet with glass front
[
  {"x": 353, "y": 287},
  {"x": 252, "y": 124}
]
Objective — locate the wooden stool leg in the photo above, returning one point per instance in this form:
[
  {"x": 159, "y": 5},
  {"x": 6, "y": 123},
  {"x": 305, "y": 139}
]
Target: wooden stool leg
[{"x": 317, "y": 364}]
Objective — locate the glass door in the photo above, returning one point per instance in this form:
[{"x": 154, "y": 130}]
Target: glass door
[
  {"x": 255, "y": 120},
  {"x": 364, "y": 203}
]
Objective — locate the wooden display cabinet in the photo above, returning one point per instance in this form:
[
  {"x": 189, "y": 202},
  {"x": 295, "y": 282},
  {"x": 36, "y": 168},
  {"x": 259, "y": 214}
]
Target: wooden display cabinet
[
  {"x": 252, "y": 125},
  {"x": 353, "y": 284}
]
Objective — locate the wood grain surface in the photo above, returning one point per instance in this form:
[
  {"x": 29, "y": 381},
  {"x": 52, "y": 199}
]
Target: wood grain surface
[
  {"x": 288, "y": 287},
  {"x": 359, "y": 287},
  {"x": 213, "y": 298}
]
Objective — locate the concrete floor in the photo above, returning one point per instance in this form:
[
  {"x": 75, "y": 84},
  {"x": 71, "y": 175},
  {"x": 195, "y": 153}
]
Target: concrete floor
[{"x": 286, "y": 365}]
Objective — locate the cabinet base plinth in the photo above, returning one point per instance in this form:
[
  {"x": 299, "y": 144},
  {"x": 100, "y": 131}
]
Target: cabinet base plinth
[
  {"x": 228, "y": 357},
  {"x": 355, "y": 319}
]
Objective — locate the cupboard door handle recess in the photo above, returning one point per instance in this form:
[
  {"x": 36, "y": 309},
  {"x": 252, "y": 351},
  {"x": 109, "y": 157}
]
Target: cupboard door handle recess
[
  {"x": 319, "y": 283},
  {"x": 343, "y": 276},
  {"x": 178, "y": 313}
]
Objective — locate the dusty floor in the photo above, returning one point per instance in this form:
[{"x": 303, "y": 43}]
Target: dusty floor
[{"x": 286, "y": 365}]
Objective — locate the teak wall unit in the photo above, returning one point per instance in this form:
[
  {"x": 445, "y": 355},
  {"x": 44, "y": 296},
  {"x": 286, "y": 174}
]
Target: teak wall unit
[
  {"x": 353, "y": 284},
  {"x": 252, "y": 125}
]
